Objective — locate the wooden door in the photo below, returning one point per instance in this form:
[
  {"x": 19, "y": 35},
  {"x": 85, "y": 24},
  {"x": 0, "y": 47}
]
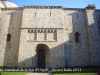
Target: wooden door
[{"x": 41, "y": 58}]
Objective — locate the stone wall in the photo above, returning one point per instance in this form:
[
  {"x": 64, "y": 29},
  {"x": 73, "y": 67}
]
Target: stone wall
[
  {"x": 93, "y": 24},
  {"x": 52, "y": 28},
  {"x": 10, "y": 24},
  {"x": 77, "y": 54},
  {"x": 45, "y": 19}
]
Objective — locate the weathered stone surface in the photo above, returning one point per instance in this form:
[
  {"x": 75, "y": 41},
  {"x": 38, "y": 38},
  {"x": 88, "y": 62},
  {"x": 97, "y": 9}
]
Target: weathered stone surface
[{"x": 52, "y": 29}]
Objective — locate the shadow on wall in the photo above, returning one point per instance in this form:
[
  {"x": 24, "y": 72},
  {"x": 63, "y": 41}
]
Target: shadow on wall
[
  {"x": 87, "y": 50},
  {"x": 94, "y": 38},
  {"x": 79, "y": 49},
  {"x": 75, "y": 54},
  {"x": 41, "y": 54},
  {"x": 54, "y": 57},
  {"x": 12, "y": 41}
]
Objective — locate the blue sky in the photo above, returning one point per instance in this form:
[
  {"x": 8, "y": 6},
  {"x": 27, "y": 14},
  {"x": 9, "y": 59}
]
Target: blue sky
[{"x": 64, "y": 3}]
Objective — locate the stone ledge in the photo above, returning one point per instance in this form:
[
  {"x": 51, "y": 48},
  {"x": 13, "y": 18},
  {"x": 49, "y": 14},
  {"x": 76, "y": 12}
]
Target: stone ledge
[
  {"x": 20, "y": 8},
  {"x": 44, "y": 28},
  {"x": 43, "y": 7},
  {"x": 41, "y": 41},
  {"x": 77, "y": 9}
]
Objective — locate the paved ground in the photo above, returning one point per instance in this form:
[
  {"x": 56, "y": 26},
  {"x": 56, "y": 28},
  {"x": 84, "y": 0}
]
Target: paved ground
[{"x": 39, "y": 74}]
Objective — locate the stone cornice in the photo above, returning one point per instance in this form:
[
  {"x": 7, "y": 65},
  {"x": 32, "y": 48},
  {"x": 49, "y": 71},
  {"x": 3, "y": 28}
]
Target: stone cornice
[
  {"x": 40, "y": 31},
  {"x": 77, "y": 9},
  {"x": 42, "y": 7},
  {"x": 90, "y": 9},
  {"x": 41, "y": 41},
  {"x": 44, "y": 28},
  {"x": 49, "y": 7},
  {"x": 21, "y": 8}
]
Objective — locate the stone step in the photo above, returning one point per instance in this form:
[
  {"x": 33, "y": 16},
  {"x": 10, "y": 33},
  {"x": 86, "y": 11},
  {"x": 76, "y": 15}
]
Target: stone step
[{"x": 38, "y": 74}]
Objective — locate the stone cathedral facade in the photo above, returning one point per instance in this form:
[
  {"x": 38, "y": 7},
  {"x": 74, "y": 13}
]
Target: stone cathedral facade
[{"x": 49, "y": 36}]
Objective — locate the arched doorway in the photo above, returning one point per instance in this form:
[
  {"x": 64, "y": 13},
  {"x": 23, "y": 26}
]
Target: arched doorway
[{"x": 41, "y": 58}]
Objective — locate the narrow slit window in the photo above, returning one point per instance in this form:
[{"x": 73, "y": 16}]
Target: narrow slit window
[
  {"x": 35, "y": 13},
  {"x": 12, "y": 15},
  {"x": 8, "y": 37},
  {"x": 77, "y": 15},
  {"x": 77, "y": 37},
  {"x": 50, "y": 13}
]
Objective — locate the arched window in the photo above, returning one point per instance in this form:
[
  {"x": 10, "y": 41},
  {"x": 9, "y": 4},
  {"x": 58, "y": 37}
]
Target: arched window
[
  {"x": 8, "y": 37},
  {"x": 12, "y": 15},
  {"x": 77, "y": 37}
]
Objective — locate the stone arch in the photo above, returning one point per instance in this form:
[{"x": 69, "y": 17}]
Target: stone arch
[{"x": 47, "y": 54}]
